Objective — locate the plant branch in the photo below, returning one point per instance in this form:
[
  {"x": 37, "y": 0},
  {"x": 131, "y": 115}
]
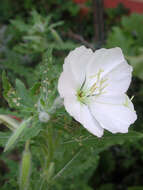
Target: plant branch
[
  {"x": 80, "y": 39},
  {"x": 66, "y": 165}
]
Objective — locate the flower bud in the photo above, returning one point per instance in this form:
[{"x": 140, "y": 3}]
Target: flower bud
[
  {"x": 44, "y": 117},
  {"x": 25, "y": 169}
]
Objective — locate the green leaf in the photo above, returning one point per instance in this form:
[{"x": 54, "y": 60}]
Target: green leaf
[
  {"x": 118, "y": 38},
  {"x": 4, "y": 136},
  {"x": 35, "y": 89},
  {"x": 50, "y": 171},
  {"x": 133, "y": 24},
  {"x": 108, "y": 140},
  {"x": 137, "y": 62},
  {"x": 20, "y": 25},
  {"x": 9, "y": 122},
  {"x": 16, "y": 134},
  {"x": 9, "y": 93},
  {"x": 56, "y": 24},
  {"x": 113, "y": 139},
  {"x": 23, "y": 93},
  {"x": 56, "y": 36},
  {"x": 32, "y": 131}
]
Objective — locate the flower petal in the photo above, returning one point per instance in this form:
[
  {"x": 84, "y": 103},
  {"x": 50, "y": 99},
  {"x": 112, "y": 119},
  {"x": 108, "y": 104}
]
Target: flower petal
[
  {"x": 108, "y": 62},
  {"x": 119, "y": 79},
  {"x": 73, "y": 74},
  {"x": 105, "y": 60},
  {"x": 82, "y": 114},
  {"x": 78, "y": 60},
  {"x": 67, "y": 85},
  {"x": 114, "y": 113}
]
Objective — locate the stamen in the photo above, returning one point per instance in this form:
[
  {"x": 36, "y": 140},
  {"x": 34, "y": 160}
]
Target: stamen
[
  {"x": 126, "y": 103},
  {"x": 96, "y": 89},
  {"x": 132, "y": 98},
  {"x": 100, "y": 83}
]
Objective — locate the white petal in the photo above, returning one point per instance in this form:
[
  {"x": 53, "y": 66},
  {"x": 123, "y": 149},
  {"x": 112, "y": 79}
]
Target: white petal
[
  {"x": 105, "y": 60},
  {"x": 112, "y": 114},
  {"x": 119, "y": 79},
  {"x": 78, "y": 60},
  {"x": 67, "y": 86},
  {"x": 82, "y": 114},
  {"x": 73, "y": 74}
]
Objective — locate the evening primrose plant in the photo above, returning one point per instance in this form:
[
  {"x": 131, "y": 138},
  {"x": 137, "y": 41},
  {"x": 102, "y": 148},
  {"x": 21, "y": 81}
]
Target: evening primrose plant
[
  {"x": 92, "y": 88},
  {"x": 94, "y": 85},
  {"x": 38, "y": 34}
]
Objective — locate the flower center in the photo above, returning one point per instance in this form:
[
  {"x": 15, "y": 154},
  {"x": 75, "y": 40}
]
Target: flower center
[
  {"x": 81, "y": 96},
  {"x": 87, "y": 91}
]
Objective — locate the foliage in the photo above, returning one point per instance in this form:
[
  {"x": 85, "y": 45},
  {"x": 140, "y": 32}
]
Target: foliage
[
  {"x": 60, "y": 151},
  {"x": 129, "y": 37},
  {"x": 39, "y": 34},
  {"x": 54, "y": 151}
]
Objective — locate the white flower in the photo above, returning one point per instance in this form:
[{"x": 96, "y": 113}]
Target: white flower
[{"x": 94, "y": 85}]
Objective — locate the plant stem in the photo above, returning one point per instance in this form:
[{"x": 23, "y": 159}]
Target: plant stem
[
  {"x": 62, "y": 170},
  {"x": 98, "y": 12}
]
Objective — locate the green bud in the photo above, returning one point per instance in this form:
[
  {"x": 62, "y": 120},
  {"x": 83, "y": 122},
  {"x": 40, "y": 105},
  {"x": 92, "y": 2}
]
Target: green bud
[
  {"x": 25, "y": 169},
  {"x": 44, "y": 117}
]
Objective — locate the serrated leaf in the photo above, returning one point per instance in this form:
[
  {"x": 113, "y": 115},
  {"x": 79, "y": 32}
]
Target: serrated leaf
[
  {"x": 23, "y": 93},
  {"x": 9, "y": 93}
]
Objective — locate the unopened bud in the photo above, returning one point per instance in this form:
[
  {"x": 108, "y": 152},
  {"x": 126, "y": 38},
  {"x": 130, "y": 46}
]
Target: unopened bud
[
  {"x": 25, "y": 168},
  {"x": 44, "y": 117}
]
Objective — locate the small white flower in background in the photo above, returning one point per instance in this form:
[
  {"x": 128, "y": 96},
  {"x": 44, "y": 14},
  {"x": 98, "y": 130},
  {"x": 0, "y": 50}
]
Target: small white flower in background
[
  {"x": 44, "y": 117},
  {"x": 94, "y": 85}
]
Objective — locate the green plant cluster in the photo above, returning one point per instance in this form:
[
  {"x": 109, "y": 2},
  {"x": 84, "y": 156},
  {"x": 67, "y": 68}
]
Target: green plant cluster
[
  {"x": 43, "y": 148},
  {"x": 63, "y": 150}
]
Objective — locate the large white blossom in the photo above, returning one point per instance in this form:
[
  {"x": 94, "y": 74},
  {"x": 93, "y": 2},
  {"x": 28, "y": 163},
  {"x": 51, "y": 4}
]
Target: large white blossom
[{"x": 94, "y": 85}]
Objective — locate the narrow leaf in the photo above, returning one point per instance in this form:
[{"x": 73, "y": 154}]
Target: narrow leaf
[
  {"x": 12, "y": 124},
  {"x": 16, "y": 134}
]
